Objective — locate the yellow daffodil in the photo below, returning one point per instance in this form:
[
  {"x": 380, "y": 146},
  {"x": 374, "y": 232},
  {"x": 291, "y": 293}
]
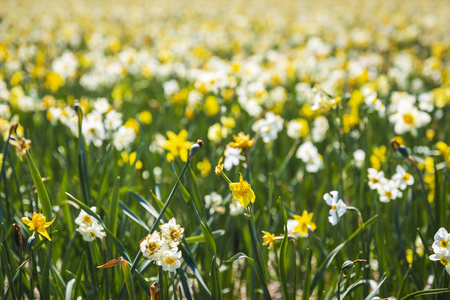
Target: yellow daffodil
[
  {"x": 268, "y": 239},
  {"x": 242, "y": 191},
  {"x": 39, "y": 224},
  {"x": 177, "y": 145},
  {"x": 204, "y": 167},
  {"x": 303, "y": 222},
  {"x": 219, "y": 167},
  {"x": 242, "y": 141}
]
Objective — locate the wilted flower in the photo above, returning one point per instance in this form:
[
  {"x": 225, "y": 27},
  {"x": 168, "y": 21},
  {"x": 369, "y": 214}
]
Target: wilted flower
[{"x": 151, "y": 245}]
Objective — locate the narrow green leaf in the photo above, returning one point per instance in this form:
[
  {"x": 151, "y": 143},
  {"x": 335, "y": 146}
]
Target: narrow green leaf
[
  {"x": 132, "y": 216},
  {"x": 283, "y": 254},
  {"x": 128, "y": 279},
  {"x": 336, "y": 250},
  {"x": 40, "y": 187},
  {"x": 79, "y": 273},
  {"x": 201, "y": 238},
  {"x": 123, "y": 252},
  {"x": 114, "y": 207},
  {"x": 254, "y": 266},
  {"x": 144, "y": 203},
  {"x": 426, "y": 292},
  {"x": 184, "y": 192},
  {"x": 7, "y": 267},
  {"x": 216, "y": 280},
  {"x": 375, "y": 290},
  {"x": 45, "y": 285}
]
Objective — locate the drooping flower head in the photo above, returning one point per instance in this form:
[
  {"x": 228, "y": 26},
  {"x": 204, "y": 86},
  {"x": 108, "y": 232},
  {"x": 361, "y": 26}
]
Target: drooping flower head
[{"x": 242, "y": 191}]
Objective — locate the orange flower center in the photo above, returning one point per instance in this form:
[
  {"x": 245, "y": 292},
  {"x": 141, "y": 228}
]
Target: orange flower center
[
  {"x": 169, "y": 260},
  {"x": 406, "y": 176},
  {"x": 333, "y": 207},
  {"x": 243, "y": 188},
  {"x": 443, "y": 243}
]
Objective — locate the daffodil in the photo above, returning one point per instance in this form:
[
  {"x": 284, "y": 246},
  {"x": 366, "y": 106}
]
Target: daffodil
[
  {"x": 242, "y": 191},
  {"x": 304, "y": 222},
  {"x": 268, "y": 239},
  {"x": 242, "y": 141},
  {"x": 39, "y": 224},
  {"x": 177, "y": 145}
]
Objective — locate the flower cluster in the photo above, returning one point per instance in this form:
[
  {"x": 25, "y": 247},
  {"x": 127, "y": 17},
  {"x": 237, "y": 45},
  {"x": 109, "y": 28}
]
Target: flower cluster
[
  {"x": 162, "y": 247},
  {"x": 441, "y": 248},
  {"x": 309, "y": 154},
  {"x": 88, "y": 226},
  {"x": 389, "y": 189}
]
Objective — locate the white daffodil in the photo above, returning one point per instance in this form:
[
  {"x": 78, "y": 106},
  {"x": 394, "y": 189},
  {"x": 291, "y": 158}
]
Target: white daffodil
[
  {"x": 172, "y": 233},
  {"x": 403, "y": 178},
  {"x": 375, "y": 178},
  {"x": 441, "y": 242},
  {"x": 443, "y": 259},
  {"x": 232, "y": 157},
  {"x": 338, "y": 207},
  {"x": 88, "y": 226},
  {"x": 359, "y": 156},
  {"x": 388, "y": 190},
  {"x": 213, "y": 201},
  {"x": 268, "y": 127},
  {"x": 408, "y": 119},
  {"x": 151, "y": 245},
  {"x": 170, "y": 259}
]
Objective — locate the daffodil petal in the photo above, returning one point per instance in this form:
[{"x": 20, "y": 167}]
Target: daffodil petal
[
  {"x": 44, "y": 233},
  {"x": 47, "y": 224}
]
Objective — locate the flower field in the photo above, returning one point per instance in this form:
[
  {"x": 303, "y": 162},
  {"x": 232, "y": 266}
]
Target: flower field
[{"x": 224, "y": 149}]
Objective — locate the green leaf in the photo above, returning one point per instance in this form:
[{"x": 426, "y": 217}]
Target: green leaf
[
  {"x": 132, "y": 216},
  {"x": 40, "y": 187},
  {"x": 216, "y": 281},
  {"x": 114, "y": 207},
  {"x": 123, "y": 252},
  {"x": 201, "y": 238},
  {"x": 426, "y": 292},
  {"x": 208, "y": 238},
  {"x": 128, "y": 279},
  {"x": 336, "y": 250},
  {"x": 79, "y": 274},
  {"x": 45, "y": 285},
  {"x": 257, "y": 270},
  {"x": 283, "y": 254},
  {"x": 375, "y": 290},
  {"x": 144, "y": 203},
  {"x": 7, "y": 267},
  {"x": 184, "y": 192}
]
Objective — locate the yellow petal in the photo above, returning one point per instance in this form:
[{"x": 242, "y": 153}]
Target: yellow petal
[
  {"x": 28, "y": 222},
  {"x": 44, "y": 232},
  {"x": 49, "y": 223},
  {"x": 183, "y": 154}
]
